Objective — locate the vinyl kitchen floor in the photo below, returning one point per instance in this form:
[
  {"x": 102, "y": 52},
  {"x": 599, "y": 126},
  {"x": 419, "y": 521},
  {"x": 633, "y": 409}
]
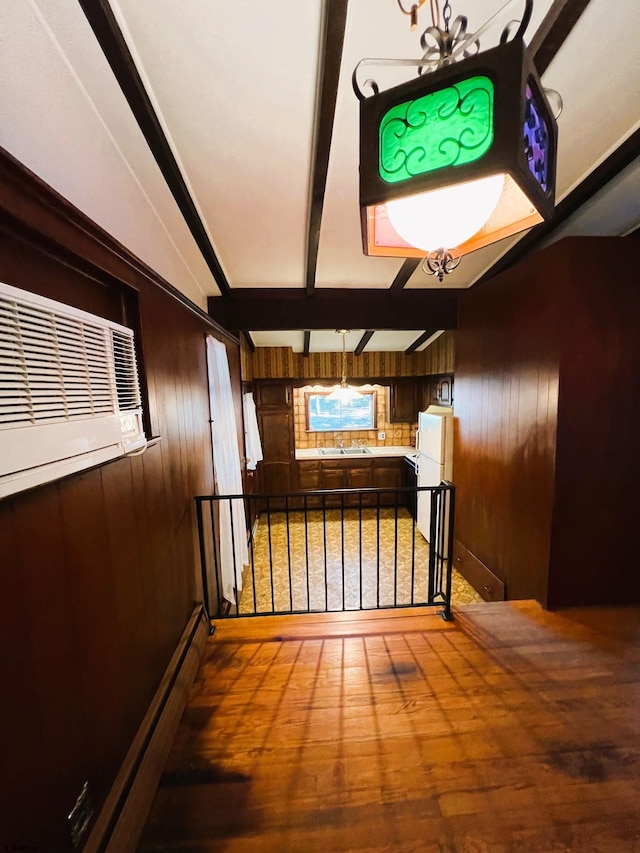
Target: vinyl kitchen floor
[{"x": 385, "y": 563}]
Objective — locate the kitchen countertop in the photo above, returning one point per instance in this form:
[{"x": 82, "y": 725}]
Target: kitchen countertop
[{"x": 378, "y": 452}]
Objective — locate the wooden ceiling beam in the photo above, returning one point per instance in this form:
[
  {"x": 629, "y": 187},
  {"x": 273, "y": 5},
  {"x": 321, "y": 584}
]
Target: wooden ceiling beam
[
  {"x": 364, "y": 340},
  {"x": 404, "y": 273},
  {"x": 554, "y": 31},
  {"x": 249, "y": 340},
  {"x": 420, "y": 340},
  {"x": 307, "y": 343},
  {"x": 334, "y": 24},
  {"x": 110, "y": 38},
  {"x": 285, "y": 309}
]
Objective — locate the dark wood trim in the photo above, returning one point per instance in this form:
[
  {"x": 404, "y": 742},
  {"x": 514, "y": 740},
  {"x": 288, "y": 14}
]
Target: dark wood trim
[
  {"x": 622, "y": 157},
  {"x": 554, "y": 31},
  {"x": 404, "y": 273},
  {"x": 334, "y": 23},
  {"x": 419, "y": 341},
  {"x": 307, "y": 343},
  {"x": 114, "y": 47},
  {"x": 122, "y": 818},
  {"x": 40, "y": 217},
  {"x": 364, "y": 340},
  {"x": 283, "y": 309},
  {"x": 249, "y": 340}
]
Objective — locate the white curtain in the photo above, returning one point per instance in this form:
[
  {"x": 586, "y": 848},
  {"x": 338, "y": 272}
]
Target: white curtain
[
  {"x": 226, "y": 463},
  {"x": 252, "y": 443}
]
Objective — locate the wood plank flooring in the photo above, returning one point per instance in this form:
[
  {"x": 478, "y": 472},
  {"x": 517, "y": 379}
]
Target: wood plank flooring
[{"x": 511, "y": 730}]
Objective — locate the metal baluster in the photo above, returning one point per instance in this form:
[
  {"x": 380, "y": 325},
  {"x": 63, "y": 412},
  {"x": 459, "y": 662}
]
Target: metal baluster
[
  {"x": 233, "y": 557},
  {"x": 216, "y": 565},
  {"x": 286, "y": 516},
  {"x": 433, "y": 544},
  {"x": 360, "y": 542},
  {"x": 306, "y": 552},
  {"x": 252, "y": 558},
  {"x": 413, "y": 554},
  {"x": 378, "y": 549},
  {"x": 447, "y": 615},
  {"x": 342, "y": 541},
  {"x": 324, "y": 546},
  {"x": 273, "y": 604},
  {"x": 395, "y": 554},
  {"x": 203, "y": 563}
]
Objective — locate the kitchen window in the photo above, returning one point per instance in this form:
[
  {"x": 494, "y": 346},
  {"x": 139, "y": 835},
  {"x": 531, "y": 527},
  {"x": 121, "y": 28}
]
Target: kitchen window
[{"x": 324, "y": 414}]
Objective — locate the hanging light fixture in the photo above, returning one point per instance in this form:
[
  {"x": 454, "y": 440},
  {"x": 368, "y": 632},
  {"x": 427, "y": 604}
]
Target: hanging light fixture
[
  {"x": 343, "y": 392},
  {"x": 462, "y": 156}
]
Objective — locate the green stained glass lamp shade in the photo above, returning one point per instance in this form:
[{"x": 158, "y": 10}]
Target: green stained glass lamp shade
[{"x": 452, "y": 126}]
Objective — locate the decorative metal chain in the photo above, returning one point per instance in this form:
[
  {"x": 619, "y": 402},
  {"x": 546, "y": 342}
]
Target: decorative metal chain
[{"x": 446, "y": 15}]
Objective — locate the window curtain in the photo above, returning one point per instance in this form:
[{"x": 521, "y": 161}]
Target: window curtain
[{"x": 226, "y": 464}]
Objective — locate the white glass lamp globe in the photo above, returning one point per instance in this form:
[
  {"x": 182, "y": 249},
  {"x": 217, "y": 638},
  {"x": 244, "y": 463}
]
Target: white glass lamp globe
[{"x": 446, "y": 218}]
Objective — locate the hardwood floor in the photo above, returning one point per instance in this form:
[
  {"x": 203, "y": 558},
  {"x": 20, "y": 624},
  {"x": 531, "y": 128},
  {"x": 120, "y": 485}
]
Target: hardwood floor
[{"x": 510, "y": 730}]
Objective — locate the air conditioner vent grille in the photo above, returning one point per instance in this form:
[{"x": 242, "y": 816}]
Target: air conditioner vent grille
[
  {"x": 126, "y": 373},
  {"x": 54, "y": 367}
]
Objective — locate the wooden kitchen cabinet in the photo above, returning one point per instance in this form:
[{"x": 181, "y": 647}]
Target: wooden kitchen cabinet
[
  {"x": 275, "y": 423},
  {"x": 274, "y": 394},
  {"x": 437, "y": 390},
  {"x": 403, "y": 400},
  {"x": 387, "y": 474},
  {"x": 410, "y": 481}
]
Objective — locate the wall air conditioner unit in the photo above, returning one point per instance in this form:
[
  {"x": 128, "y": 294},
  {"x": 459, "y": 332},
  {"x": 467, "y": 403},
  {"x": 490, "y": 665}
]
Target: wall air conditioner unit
[{"x": 69, "y": 393}]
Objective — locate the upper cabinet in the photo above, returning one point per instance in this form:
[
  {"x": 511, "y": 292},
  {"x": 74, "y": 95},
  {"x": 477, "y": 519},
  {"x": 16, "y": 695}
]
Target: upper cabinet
[
  {"x": 437, "y": 390},
  {"x": 403, "y": 400},
  {"x": 274, "y": 394}
]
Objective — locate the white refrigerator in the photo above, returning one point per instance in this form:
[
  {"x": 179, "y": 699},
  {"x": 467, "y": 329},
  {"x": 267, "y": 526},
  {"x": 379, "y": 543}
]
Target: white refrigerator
[{"x": 435, "y": 459}]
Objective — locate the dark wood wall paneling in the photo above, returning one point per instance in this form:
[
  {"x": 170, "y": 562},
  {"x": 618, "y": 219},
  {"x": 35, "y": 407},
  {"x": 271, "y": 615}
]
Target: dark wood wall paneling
[
  {"x": 597, "y": 497},
  {"x": 546, "y": 397},
  {"x": 98, "y": 571}
]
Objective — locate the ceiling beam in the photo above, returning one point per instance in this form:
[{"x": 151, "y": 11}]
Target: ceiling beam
[
  {"x": 333, "y": 29},
  {"x": 364, "y": 340},
  {"x": 404, "y": 273},
  {"x": 110, "y": 38},
  {"x": 307, "y": 343},
  {"x": 249, "y": 340},
  {"x": 419, "y": 341},
  {"x": 593, "y": 183},
  {"x": 554, "y": 30},
  {"x": 285, "y": 309}
]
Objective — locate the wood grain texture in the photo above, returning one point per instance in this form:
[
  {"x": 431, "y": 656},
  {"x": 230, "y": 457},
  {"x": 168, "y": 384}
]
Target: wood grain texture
[
  {"x": 99, "y": 569},
  {"x": 509, "y": 730},
  {"x": 546, "y": 406}
]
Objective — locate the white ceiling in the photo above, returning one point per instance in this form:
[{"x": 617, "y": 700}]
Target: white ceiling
[{"x": 234, "y": 84}]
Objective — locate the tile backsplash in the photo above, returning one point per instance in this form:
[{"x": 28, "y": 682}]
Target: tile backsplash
[{"x": 398, "y": 434}]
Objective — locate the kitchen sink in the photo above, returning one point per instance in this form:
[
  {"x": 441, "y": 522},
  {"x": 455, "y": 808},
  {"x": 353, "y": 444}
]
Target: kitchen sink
[{"x": 344, "y": 451}]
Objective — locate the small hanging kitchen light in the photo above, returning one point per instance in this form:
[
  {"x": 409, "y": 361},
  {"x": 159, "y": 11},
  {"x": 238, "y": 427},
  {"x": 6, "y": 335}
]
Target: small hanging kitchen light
[
  {"x": 462, "y": 156},
  {"x": 343, "y": 392}
]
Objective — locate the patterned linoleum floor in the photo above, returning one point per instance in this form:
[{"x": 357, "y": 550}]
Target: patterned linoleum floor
[{"x": 384, "y": 564}]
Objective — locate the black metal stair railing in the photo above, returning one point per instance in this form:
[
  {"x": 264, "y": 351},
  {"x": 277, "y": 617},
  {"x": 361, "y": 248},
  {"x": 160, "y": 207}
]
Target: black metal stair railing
[{"x": 330, "y": 551}]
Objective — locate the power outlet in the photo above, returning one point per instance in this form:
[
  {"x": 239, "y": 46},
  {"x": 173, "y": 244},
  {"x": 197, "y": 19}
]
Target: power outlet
[
  {"x": 382, "y": 436},
  {"x": 80, "y": 816}
]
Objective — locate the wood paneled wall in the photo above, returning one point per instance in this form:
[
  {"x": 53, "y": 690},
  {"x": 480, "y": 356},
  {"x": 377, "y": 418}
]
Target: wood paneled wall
[
  {"x": 282, "y": 362},
  {"x": 597, "y": 495},
  {"x": 546, "y": 387},
  {"x": 98, "y": 571}
]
